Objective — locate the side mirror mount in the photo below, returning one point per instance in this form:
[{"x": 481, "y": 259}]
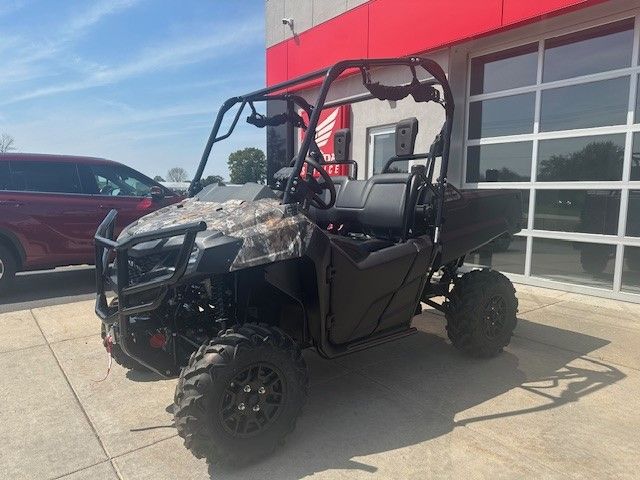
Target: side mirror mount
[{"x": 156, "y": 192}]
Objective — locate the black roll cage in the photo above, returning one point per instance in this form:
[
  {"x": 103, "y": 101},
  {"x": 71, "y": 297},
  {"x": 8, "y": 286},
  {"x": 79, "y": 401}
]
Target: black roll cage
[{"x": 331, "y": 74}]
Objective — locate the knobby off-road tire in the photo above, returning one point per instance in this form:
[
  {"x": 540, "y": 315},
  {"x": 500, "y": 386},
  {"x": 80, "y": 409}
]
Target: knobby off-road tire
[
  {"x": 122, "y": 358},
  {"x": 8, "y": 266},
  {"x": 481, "y": 313},
  {"x": 249, "y": 367}
]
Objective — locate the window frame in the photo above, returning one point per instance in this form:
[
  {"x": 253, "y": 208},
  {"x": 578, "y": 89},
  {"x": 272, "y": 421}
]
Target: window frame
[
  {"x": 372, "y": 132},
  {"x": 628, "y": 128}
]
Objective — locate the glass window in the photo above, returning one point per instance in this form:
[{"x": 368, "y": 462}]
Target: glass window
[
  {"x": 573, "y": 262},
  {"x": 5, "y": 179},
  {"x": 595, "y": 50},
  {"x": 503, "y": 162},
  {"x": 585, "y": 211},
  {"x": 635, "y": 157},
  {"x": 631, "y": 270},
  {"x": 633, "y": 214},
  {"x": 637, "y": 114},
  {"x": 581, "y": 158},
  {"x": 506, "y": 254},
  {"x": 117, "y": 181},
  {"x": 502, "y": 116},
  {"x": 47, "y": 177},
  {"x": 516, "y": 67},
  {"x": 384, "y": 147},
  {"x": 593, "y": 104},
  {"x": 525, "y": 207}
]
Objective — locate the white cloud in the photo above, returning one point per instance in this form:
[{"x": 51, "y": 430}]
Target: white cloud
[
  {"x": 160, "y": 57},
  {"x": 94, "y": 14},
  {"x": 7, "y": 7},
  {"x": 27, "y": 55}
]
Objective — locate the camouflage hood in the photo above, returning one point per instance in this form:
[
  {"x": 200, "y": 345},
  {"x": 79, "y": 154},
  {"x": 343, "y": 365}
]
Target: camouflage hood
[{"x": 270, "y": 231}]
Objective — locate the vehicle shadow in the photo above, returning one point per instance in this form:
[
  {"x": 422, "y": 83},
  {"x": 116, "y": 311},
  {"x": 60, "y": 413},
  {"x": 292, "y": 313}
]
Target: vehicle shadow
[
  {"x": 418, "y": 389},
  {"x": 49, "y": 287}
]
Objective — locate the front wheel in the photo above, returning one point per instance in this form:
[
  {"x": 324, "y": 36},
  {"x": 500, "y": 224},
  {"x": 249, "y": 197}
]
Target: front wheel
[
  {"x": 241, "y": 394},
  {"x": 7, "y": 267},
  {"x": 481, "y": 313}
]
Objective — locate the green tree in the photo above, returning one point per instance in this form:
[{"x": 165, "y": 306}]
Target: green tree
[
  {"x": 158, "y": 178},
  {"x": 211, "y": 179},
  {"x": 247, "y": 165}
]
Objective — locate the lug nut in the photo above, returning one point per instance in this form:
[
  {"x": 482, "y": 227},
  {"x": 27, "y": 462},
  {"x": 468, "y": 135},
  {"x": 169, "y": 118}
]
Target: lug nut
[
  {"x": 256, "y": 408},
  {"x": 247, "y": 388},
  {"x": 261, "y": 391},
  {"x": 241, "y": 406}
]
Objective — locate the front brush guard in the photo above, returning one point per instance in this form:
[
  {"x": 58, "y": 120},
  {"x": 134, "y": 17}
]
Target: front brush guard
[{"x": 105, "y": 246}]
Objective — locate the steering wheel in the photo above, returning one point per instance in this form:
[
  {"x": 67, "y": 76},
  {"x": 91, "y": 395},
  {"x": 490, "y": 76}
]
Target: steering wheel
[{"x": 314, "y": 188}]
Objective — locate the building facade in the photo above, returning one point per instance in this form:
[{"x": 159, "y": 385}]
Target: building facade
[{"x": 547, "y": 102}]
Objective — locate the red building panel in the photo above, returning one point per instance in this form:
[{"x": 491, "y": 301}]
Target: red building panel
[
  {"x": 327, "y": 43},
  {"x": 516, "y": 11},
  {"x": 389, "y": 28},
  {"x": 277, "y": 63},
  {"x": 412, "y": 26}
]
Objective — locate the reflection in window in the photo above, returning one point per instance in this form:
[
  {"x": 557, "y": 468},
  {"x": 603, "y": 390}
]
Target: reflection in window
[
  {"x": 502, "y": 116},
  {"x": 585, "y": 211},
  {"x": 635, "y": 157},
  {"x": 506, "y": 254},
  {"x": 633, "y": 214},
  {"x": 504, "y": 162},
  {"x": 631, "y": 270},
  {"x": 588, "y": 264},
  {"x": 581, "y": 158},
  {"x": 595, "y": 50},
  {"x": 593, "y": 104},
  {"x": 525, "y": 207},
  {"x": 516, "y": 67},
  {"x": 384, "y": 147},
  {"x": 5, "y": 180},
  {"x": 45, "y": 177}
]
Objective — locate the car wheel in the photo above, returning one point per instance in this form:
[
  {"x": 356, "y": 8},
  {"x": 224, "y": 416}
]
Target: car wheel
[
  {"x": 481, "y": 313},
  {"x": 241, "y": 394},
  {"x": 8, "y": 266}
]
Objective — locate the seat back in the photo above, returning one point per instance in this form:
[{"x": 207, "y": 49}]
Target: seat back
[{"x": 377, "y": 205}]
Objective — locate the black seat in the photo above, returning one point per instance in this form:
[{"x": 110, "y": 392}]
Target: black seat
[{"x": 376, "y": 206}]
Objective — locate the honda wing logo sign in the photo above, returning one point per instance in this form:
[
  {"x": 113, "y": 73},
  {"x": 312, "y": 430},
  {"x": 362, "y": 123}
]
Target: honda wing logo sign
[
  {"x": 331, "y": 120},
  {"x": 324, "y": 132}
]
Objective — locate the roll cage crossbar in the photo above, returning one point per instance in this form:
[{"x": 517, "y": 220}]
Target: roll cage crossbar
[{"x": 421, "y": 92}]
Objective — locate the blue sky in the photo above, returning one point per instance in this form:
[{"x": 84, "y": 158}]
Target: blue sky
[{"x": 137, "y": 81}]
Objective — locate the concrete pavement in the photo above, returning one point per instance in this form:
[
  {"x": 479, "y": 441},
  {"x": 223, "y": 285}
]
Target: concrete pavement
[{"x": 560, "y": 402}]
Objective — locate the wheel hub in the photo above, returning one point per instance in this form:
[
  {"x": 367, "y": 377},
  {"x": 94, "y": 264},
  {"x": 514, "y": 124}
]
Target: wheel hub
[
  {"x": 253, "y": 400},
  {"x": 494, "y": 316},
  {"x": 1, "y": 268}
]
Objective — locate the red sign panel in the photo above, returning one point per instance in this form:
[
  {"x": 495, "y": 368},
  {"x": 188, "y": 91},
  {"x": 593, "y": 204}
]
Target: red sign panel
[{"x": 331, "y": 120}]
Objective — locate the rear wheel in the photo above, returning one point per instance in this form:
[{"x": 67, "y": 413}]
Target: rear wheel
[
  {"x": 481, "y": 313},
  {"x": 241, "y": 394},
  {"x": 594, "y": 259},
  {"x": 8, "y": 266}
]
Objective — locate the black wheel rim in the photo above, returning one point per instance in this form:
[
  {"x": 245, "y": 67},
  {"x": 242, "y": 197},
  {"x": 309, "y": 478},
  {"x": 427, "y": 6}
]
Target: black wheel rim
[
  {"x": 253, "y": 400},
  {"x": 494, "y": 316}
]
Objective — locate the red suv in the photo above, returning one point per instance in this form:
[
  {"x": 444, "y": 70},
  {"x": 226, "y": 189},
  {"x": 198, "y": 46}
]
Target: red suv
[{"x": 51, "y": 206}]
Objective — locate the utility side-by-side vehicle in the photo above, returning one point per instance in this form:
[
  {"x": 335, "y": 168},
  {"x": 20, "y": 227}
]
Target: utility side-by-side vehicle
[{"x": 227, "y": 287}]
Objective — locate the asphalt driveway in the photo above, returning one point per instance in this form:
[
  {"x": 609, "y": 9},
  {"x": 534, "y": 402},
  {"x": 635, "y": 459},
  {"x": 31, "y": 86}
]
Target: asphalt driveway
[{"x": 561, "y": 402}]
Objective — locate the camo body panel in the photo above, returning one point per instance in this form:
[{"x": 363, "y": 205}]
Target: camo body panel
[{"x": 270, "y": 231}]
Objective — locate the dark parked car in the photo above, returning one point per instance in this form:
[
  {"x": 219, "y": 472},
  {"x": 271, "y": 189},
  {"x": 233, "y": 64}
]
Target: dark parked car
[{"x": 51, "y": 205}]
